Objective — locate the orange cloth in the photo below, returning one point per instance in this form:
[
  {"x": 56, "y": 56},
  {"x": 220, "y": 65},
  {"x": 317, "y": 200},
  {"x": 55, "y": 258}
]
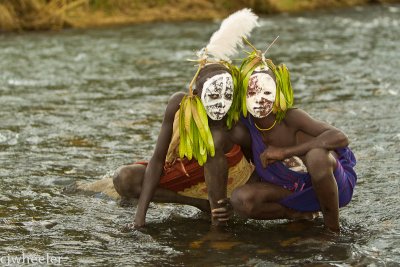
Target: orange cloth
[{"x": 187, "y": 177}]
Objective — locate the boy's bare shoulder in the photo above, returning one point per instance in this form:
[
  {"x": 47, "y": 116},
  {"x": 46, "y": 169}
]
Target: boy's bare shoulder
[
  {"x": 295, "y": 112},
  {"x": 297, "y": 118},
  {"x": 176, "y": 97},
  {"x": 294, "y": 115},
  {"x": 174, "y": 102}
]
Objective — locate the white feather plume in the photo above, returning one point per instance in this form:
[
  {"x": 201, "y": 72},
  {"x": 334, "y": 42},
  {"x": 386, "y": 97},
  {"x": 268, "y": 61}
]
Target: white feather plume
[{"x": 223, "y": 43}]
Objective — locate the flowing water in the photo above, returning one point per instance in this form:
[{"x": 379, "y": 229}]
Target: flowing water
[{"x": 77, "y": 104}]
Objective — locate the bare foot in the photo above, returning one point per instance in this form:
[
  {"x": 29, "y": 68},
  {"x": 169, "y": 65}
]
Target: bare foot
[
  {"x": 332, "y": 226},
  {"x": 331, "y": 220}
]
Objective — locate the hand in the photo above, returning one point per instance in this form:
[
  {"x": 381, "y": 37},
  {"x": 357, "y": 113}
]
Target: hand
[
  {"x": 139, "y": 220},
  {"x": 138, "y": 223},
  {"x": 132, "y": 227},
  {"x": 271, "y": 154},
  {"x": 224, "y": 212}
]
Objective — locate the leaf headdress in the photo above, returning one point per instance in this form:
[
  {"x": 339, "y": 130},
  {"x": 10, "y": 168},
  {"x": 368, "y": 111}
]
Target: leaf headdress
[
  {"x": 195, "y": 136},
  {"x": 284, "y": 90}
]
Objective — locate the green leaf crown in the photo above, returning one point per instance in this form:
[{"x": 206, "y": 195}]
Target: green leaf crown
[{"x": 284, "y": 90}]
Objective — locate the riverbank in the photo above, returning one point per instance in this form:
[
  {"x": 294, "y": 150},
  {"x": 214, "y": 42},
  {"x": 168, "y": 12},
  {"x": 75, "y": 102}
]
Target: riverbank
[{"x": 30, "y": 15}]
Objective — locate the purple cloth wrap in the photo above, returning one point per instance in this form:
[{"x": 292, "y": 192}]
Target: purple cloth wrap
[{"x": 303, "y": 197}]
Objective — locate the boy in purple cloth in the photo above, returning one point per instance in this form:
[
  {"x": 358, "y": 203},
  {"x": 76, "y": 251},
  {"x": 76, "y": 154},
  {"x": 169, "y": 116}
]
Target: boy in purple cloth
[{"x": 303, "y": 164}]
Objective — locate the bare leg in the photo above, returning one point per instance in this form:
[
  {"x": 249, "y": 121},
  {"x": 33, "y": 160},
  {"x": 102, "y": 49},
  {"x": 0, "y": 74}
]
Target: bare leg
[
  {"x": 128, "y": 183},
  {"x": 260, "y": 201},
  {"x": 321, "y": 164}
]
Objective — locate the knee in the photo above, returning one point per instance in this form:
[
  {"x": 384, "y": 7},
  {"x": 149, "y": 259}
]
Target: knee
[
  {"x": 118, "y": 178},
  {"x": 242, "y": 201},
  {"x": 320, "y": 163},
  {"x": 127, "y": 181}
]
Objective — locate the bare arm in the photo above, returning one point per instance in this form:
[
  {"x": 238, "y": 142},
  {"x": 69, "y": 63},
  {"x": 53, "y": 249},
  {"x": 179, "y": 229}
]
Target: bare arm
[
  {"x": 320, "y": 135},
  {"x": 326, "y": 136},
  {"x": 155, "y": 167},
  {"x": 216, "y": 173},
  {"x": 239, "y": 135}
]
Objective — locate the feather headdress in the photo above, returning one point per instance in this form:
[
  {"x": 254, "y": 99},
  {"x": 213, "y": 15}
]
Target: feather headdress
[{"x": 223, "y": 43}]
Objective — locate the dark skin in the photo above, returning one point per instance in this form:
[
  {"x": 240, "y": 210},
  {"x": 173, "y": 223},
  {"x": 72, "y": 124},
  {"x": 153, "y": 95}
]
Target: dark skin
[
  {"x": 314, "y": 142},
  {"x": 215, "y": 169},
  {"x": 141, "y": 182}
]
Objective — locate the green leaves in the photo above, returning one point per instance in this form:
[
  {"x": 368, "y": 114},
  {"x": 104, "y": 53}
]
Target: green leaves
[
  {"x": 284, "y": 90},
  {"x": 196, "y": 140}
]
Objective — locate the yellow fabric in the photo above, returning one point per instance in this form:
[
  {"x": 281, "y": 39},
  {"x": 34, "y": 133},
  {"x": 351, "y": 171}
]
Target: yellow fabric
[{"x": 237, "y": 175}]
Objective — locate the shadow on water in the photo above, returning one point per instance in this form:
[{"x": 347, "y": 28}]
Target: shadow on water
[
  {"x": 250, "y": 243},
  {"x": 77, "y": 104}
]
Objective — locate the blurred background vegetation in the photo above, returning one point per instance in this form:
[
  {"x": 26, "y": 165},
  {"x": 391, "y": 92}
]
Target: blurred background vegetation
[{"x": 19, "y": 15}]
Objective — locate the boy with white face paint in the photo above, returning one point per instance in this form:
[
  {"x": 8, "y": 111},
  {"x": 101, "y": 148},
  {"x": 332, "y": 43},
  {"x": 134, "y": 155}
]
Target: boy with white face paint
[
  {"x": 217, "y": 95},
  {"x": 261, "y": 93},
  {"x": 305, "y": 165}
]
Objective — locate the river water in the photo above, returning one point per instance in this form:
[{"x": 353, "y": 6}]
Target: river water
[{"x": 75, "y": 105}]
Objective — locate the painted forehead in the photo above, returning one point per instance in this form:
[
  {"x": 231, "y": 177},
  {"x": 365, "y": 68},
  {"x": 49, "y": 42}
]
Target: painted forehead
[
  {"x": 260, "y": 80},
  {"x": 218, "y": 83}
]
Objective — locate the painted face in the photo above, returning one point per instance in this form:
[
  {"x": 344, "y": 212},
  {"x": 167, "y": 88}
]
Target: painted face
[
  {"x": 217, "y": 95},
  {"x": 261, "y": 93}
]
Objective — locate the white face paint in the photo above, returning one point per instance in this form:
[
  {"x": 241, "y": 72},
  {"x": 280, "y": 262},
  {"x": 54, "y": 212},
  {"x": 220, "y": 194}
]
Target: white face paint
[
  {"x": 261, "y": 92},
  {"x": 217, "y": 95}
]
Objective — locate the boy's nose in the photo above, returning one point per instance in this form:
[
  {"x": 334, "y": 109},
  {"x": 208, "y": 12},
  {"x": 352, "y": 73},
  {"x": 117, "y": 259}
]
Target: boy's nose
[
  {"x": 262, "y": 100},
  {"x": 221, "y": 105}
]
